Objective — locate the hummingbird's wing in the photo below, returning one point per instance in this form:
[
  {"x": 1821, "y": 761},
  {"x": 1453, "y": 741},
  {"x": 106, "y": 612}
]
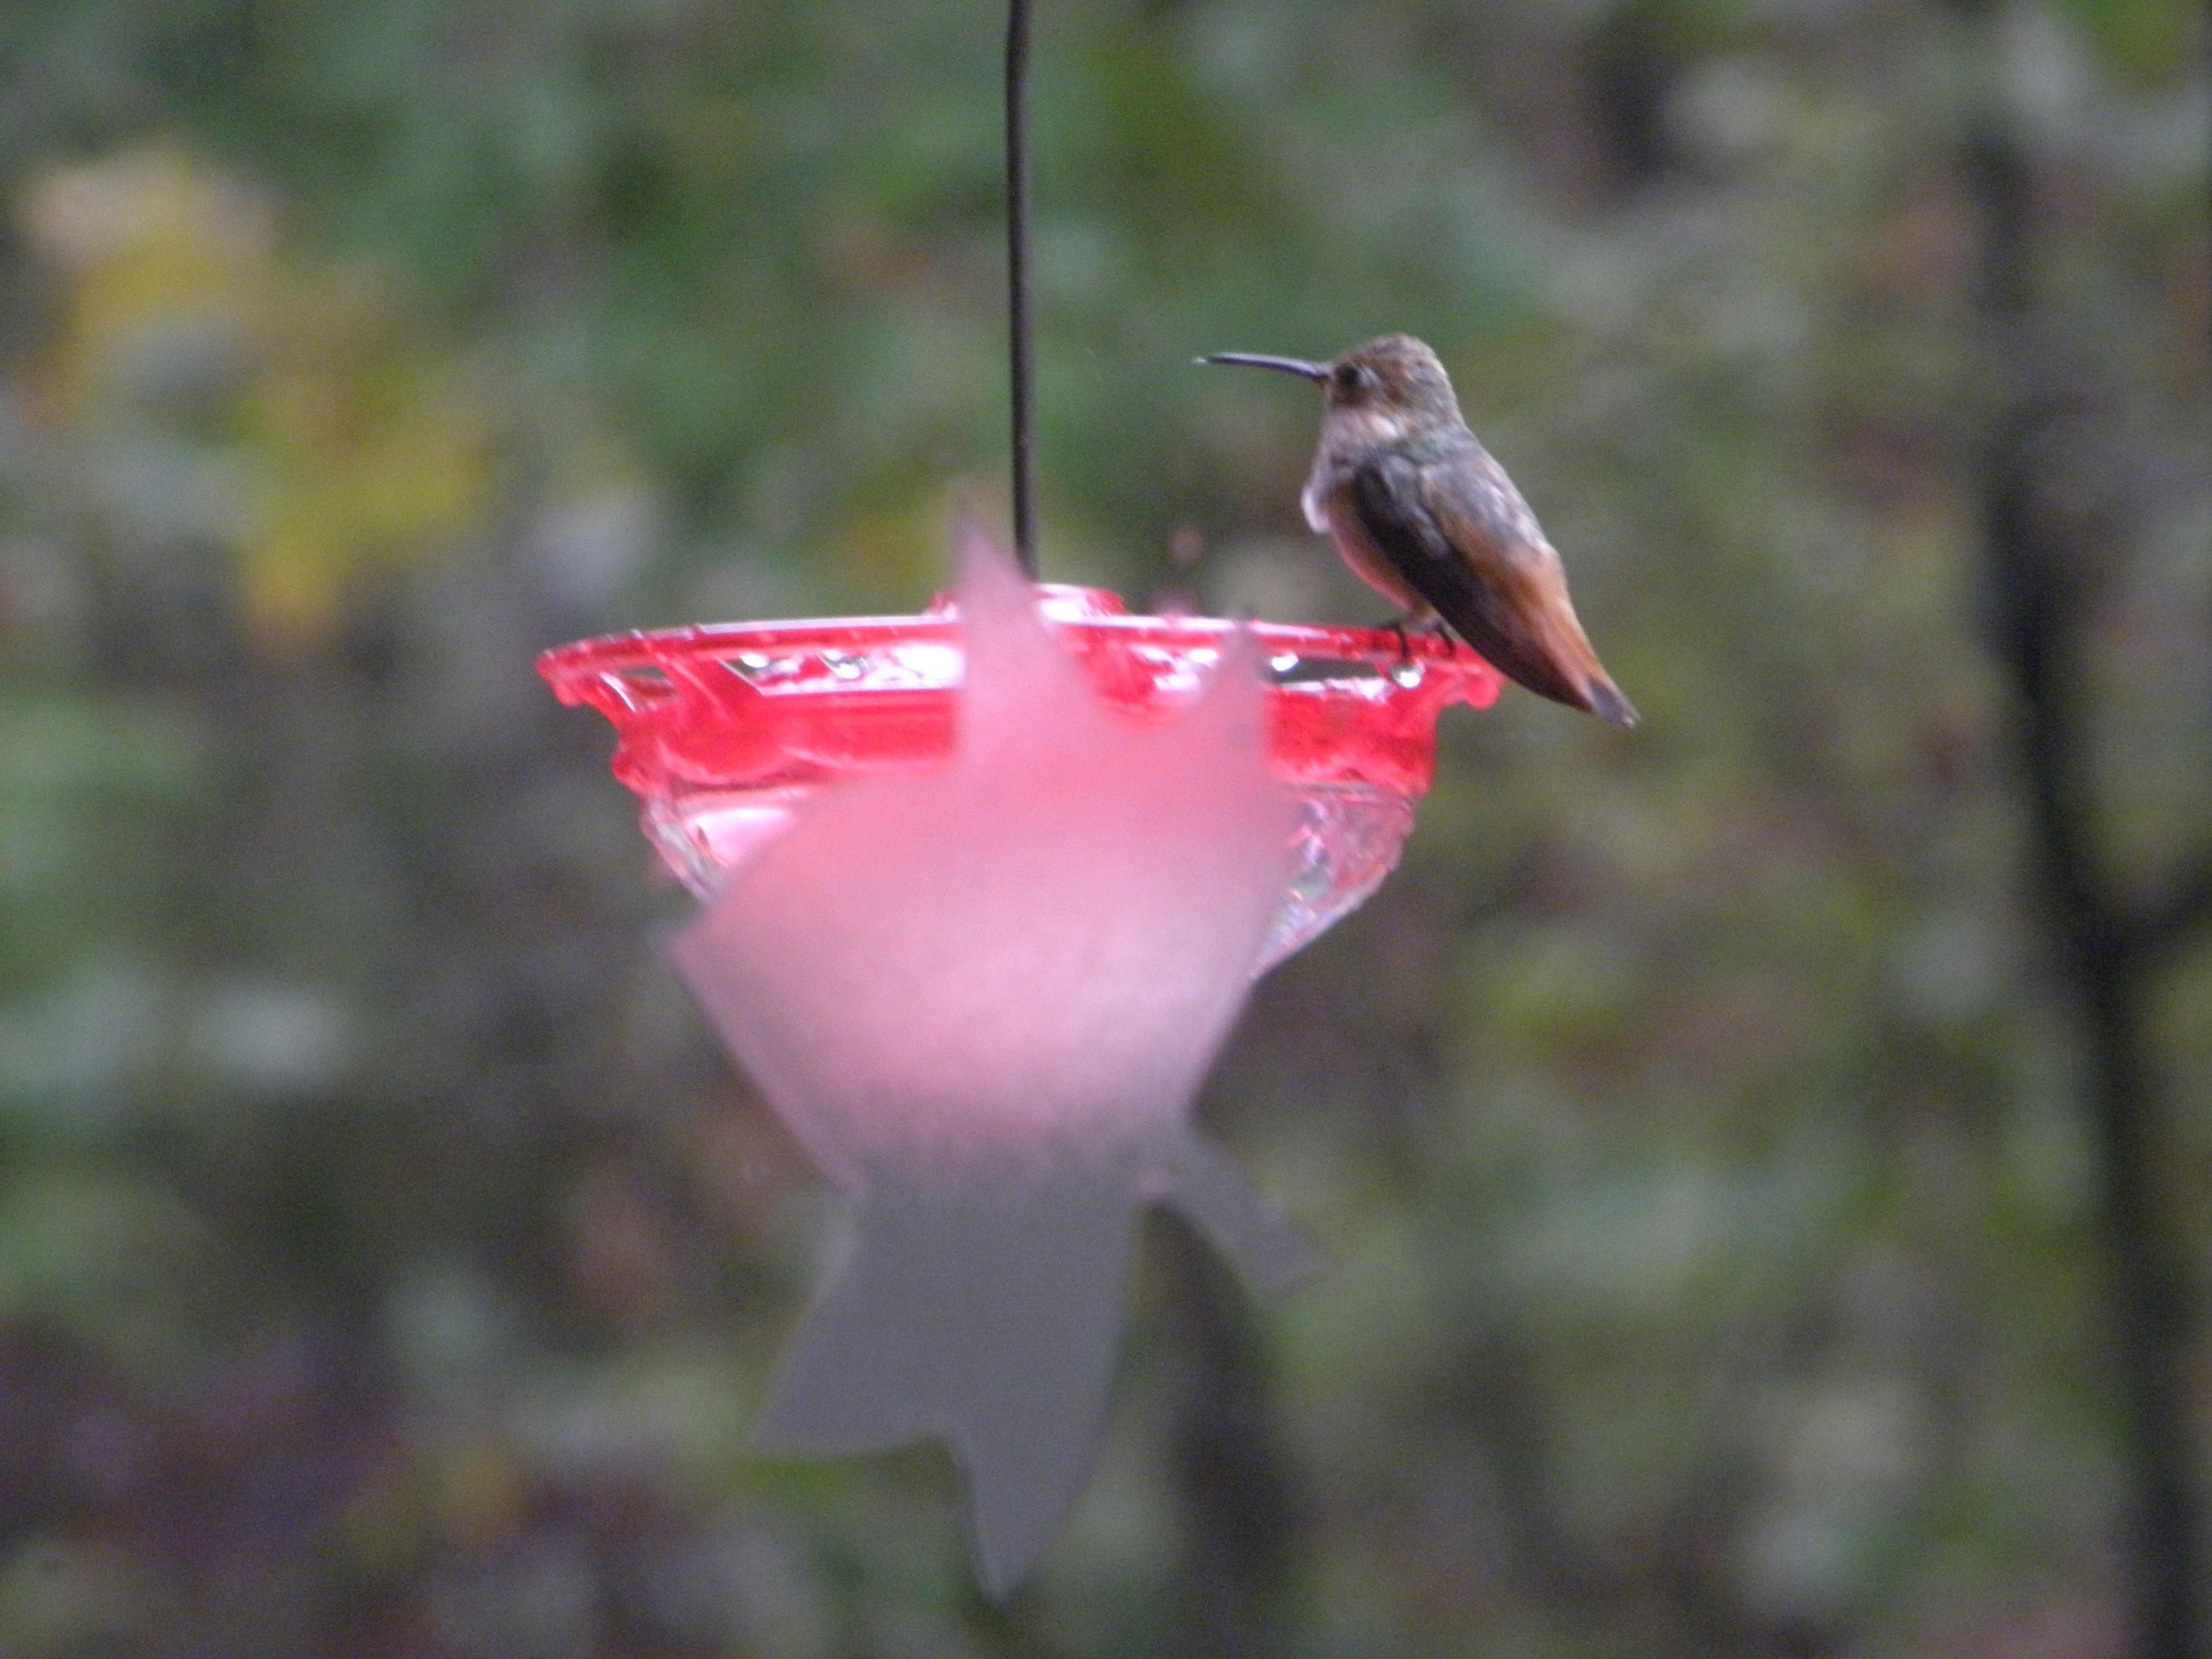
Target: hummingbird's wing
[{"x": 1458, "y": 532}]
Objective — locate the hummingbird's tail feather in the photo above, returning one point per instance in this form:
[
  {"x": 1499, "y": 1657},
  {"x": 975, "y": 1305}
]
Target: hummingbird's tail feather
[{"x": 1607, "y": 704}]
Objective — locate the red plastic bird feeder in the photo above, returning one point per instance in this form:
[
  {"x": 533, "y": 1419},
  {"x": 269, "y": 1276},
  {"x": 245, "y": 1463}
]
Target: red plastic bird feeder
[
  {"x": 983, "y": 890},
  {"x": 725, "y": 730}
]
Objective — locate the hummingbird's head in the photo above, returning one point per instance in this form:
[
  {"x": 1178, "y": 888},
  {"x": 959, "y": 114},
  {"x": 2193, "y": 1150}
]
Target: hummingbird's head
[{"x": 1396, "y": 376}]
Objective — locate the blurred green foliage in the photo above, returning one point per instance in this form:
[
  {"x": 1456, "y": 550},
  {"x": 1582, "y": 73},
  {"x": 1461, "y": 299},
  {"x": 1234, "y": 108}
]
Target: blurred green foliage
[{"x": 389, "y": 1265}]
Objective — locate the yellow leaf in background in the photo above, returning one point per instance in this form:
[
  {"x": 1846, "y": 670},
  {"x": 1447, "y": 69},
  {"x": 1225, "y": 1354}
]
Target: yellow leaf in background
[
  {"x": 291, "y": 587},
  {"x": 180, "y": 321},
  {"x": 147, "y": 245},
  {"x": 370, "y": 457}
]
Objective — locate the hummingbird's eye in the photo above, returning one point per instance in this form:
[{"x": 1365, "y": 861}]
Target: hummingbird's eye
[{"x": 1351, "y": 377}]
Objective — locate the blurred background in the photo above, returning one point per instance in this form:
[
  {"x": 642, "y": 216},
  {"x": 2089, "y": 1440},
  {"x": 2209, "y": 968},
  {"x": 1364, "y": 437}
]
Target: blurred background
[{"x": 1767, "y": 1158}]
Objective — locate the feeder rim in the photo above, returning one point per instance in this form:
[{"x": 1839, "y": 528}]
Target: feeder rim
[{"x": 642, "y": 647}]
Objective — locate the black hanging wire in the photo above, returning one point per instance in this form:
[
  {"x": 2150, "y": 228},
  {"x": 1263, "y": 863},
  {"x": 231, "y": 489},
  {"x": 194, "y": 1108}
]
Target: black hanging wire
[{"x": 1017, "y": 280}]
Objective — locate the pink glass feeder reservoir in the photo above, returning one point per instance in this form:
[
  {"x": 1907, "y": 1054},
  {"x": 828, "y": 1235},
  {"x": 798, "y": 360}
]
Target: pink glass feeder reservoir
[{"x": 725, "y": 730}]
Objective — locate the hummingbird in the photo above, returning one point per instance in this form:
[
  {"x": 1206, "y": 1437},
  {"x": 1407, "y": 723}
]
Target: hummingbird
[{"x": 1425, "y": 516}]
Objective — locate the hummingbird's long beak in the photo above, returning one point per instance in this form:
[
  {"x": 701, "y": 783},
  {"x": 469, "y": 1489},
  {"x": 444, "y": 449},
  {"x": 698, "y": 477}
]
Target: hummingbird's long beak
[{"x": 1288, "y": 365}]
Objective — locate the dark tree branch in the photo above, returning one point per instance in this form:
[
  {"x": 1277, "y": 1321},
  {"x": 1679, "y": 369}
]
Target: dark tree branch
[
  {"x": 2165, "y": 922},
  {"x": 2101, "y": 951},
  {"x": 1235, "y": 1490}
]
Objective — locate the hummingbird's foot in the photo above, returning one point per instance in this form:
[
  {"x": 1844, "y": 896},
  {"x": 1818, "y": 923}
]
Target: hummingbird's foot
[{"x": 1405, "y": 641}]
